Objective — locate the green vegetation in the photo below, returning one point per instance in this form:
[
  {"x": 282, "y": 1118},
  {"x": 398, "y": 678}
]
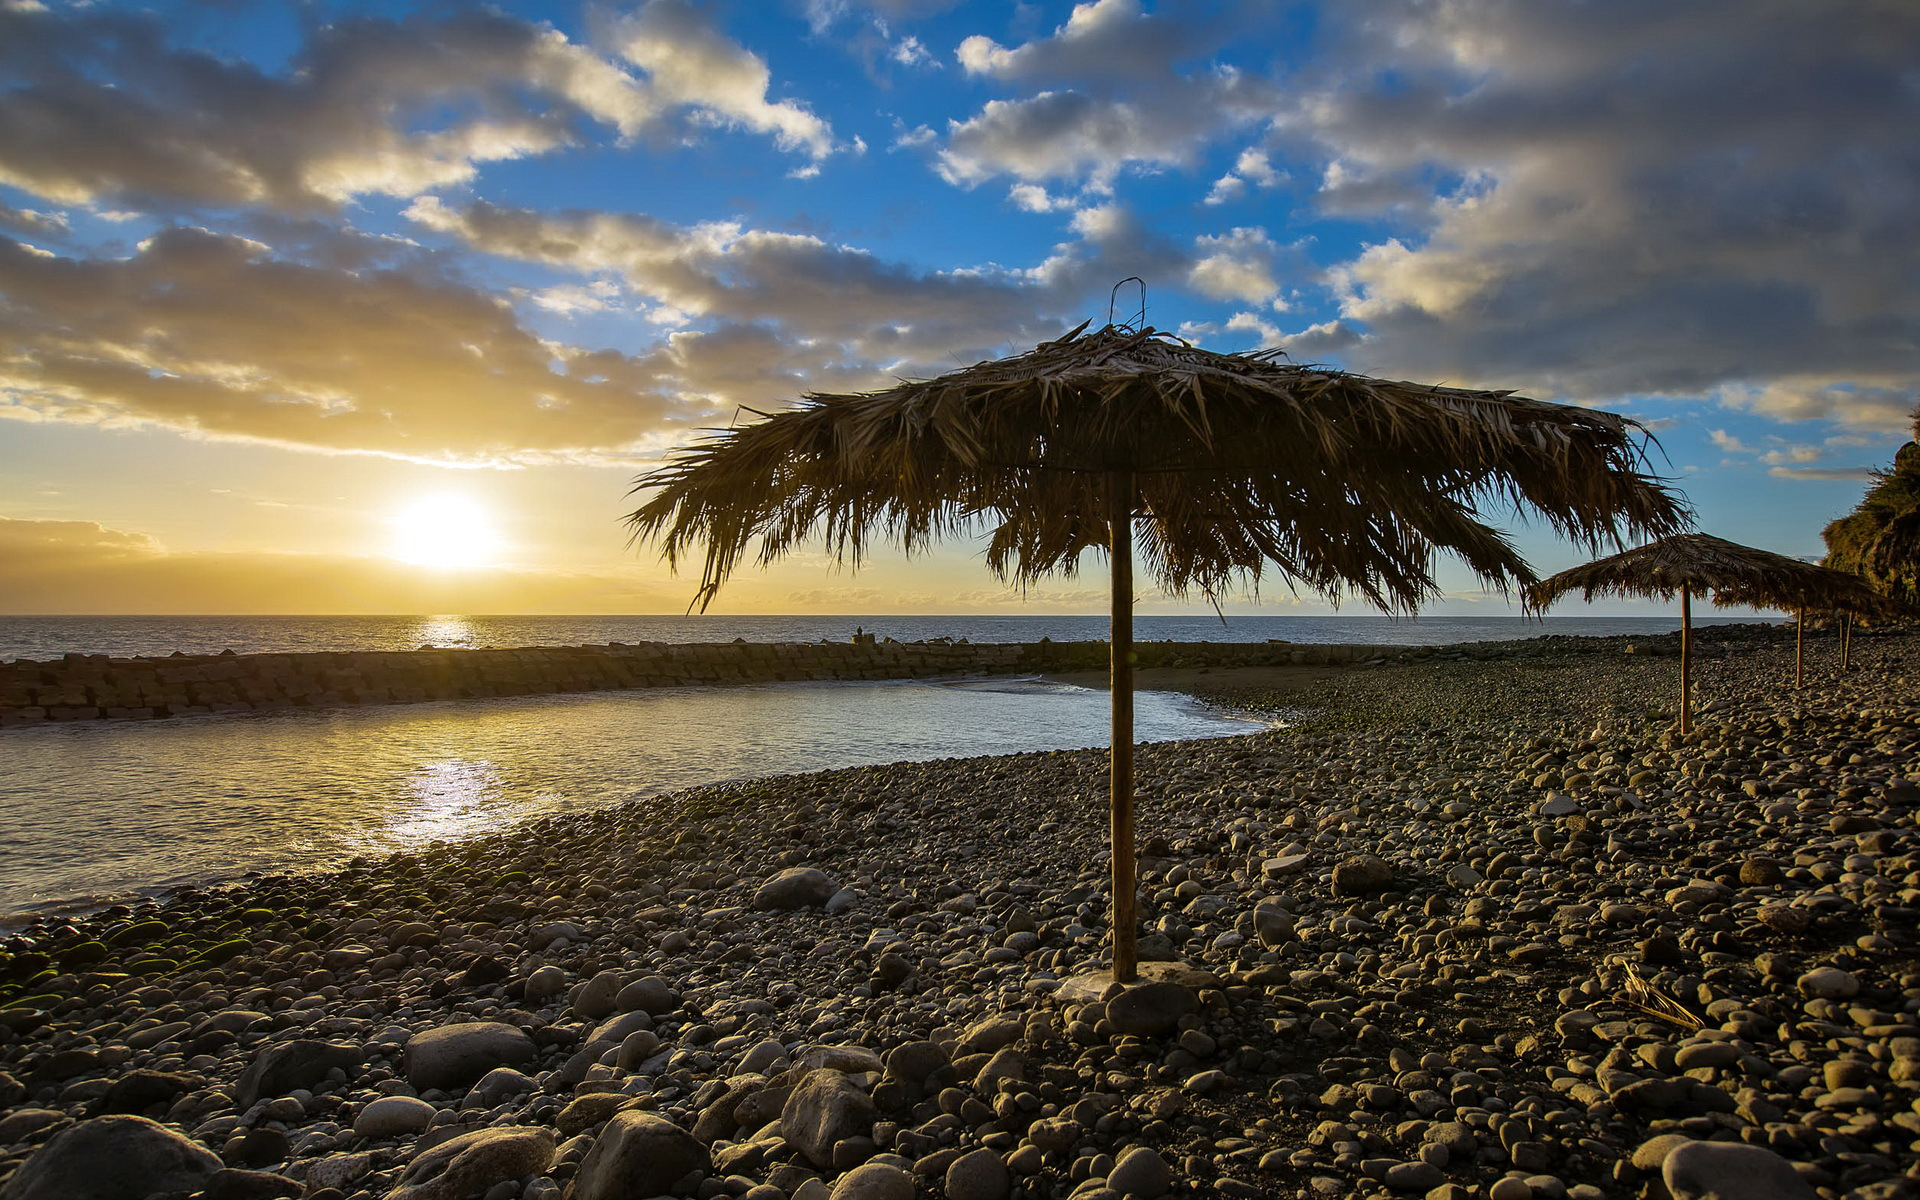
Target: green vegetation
[{"x": 1880, "y": 540}]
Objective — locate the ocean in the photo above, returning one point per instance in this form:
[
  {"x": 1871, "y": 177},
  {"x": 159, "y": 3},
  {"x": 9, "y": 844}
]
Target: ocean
[{"x": 50, "y": 637}]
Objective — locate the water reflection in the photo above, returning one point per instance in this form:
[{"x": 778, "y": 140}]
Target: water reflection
[
  {"x": 197, "y": 798},
  {"x": 447, "y": 632},
  {"x": 447, "y": 800}
]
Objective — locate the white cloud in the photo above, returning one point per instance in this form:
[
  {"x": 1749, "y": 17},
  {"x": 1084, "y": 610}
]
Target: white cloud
[
  {"x": 1113, "y": 91},
  {"x": 689, "y": 63},
  {"x": 1600, "y": 201},
  {"x": 1237, "y": 265},
  {"x": 100, "y": 106},
  {"x": 1811, "y": 474}
]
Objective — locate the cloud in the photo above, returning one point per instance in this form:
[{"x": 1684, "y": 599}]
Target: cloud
[
  {"x": 215, "y": 334},
  {"x": 1236, "y": 265},
  {"x": 101, "y": 107},
  {"x": 1802, "y": 399},
  {"x": 853, "y": 308},
  {"x": 1113, "y": 91},
  {"x": 83, "y": 567},
  {"x": 1600, "y": 201},
  {"x": 1808, "y": 474},
  {"x": 691, "y": 64},
  {"x": 33, "y": 223}
]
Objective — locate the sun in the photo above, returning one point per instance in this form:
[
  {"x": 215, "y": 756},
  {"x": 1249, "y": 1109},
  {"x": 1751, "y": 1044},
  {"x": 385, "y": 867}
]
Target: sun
[{"x": 444, "y": 531}]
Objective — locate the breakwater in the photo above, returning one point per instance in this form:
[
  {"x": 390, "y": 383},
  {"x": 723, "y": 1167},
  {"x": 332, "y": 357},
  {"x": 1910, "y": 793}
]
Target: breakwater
[{"x": 80, "y": 687}]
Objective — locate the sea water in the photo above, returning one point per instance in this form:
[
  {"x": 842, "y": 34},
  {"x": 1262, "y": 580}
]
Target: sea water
[
  {"x": 50, "y": 637},
  {"x": 94, "y": 810}
]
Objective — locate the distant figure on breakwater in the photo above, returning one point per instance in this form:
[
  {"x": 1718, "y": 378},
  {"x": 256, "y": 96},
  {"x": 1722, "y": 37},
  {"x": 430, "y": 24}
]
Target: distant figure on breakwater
[{"x": 861, "y": 637}]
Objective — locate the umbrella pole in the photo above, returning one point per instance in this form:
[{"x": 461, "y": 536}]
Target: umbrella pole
[
  {"x": 1800, "y": 648},
  {"x": 1686, "y": 660},
  {"x": 1846, "y": 641},
  {"x": 1126, "y": 918}
]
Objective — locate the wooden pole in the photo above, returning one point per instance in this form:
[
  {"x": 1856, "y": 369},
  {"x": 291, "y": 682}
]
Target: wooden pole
[
  {"x": 1126, "y": 918},
  {"x": 1800, "y": 648},
  {"x": 1846, "y": 641},
  {"x": 1686, "y": 660}
]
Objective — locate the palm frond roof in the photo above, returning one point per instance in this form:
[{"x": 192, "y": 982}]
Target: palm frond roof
[
  {"x": 1734, "y": 574},
  {"x": 1239, "y": 461}
]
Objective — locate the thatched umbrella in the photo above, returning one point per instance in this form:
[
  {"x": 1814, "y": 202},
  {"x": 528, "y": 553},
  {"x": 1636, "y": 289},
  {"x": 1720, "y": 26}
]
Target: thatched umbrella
[
  {"x": 1736, "y": 575},
  {"x": 1230, "y": 461}
]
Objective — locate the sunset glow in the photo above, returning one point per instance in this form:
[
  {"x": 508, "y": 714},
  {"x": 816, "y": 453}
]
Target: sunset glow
[{"x": 449, "y": 532}]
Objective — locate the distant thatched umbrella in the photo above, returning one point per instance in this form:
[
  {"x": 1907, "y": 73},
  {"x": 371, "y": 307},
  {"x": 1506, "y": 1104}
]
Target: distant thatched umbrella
[
  {"x": 1231, "y": 461},
  {"x": 1736, "y": 575}
]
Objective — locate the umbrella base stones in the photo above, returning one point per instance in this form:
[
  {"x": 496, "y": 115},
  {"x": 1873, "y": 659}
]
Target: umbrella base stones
[{"x": 1094, "y": 985}]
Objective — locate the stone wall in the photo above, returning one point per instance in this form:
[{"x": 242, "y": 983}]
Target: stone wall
[{"x": 83, "y": 687}]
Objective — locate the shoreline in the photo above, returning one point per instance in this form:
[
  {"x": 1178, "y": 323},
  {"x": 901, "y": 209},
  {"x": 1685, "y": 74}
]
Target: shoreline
[{"x": 1461, "y": 991}]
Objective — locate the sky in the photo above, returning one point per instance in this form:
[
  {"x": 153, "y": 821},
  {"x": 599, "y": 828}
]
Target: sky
[{"x": 337, "y": 307}]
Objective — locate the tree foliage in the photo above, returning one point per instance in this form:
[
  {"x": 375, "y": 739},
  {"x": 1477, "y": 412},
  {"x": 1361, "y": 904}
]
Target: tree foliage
[{"x": 1880, "y": 539}]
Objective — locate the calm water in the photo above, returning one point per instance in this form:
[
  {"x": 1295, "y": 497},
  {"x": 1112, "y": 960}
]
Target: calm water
[
  {"x": 97, "y": 810},
  {"x": 50, "y": 637}
]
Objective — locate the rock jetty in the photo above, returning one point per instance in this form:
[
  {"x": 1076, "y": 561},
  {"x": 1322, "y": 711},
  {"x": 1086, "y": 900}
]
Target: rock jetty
[{"x": 1474, "y": 930}]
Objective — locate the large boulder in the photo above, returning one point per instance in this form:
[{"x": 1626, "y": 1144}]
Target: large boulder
[
  {"x": 874, "y": 1181},
  {"x": 796, "y": 887},
  {"x": 1731, "y": 1171},
  {"x": 113, "y": 1158},
  {"x": 637, "y": 1154},
  {"x": 474, "y": 1162},
  {"x": 286, "y": 1066},
  {"x": 1362, "y": 875},
  {"x": 454, "y": 1056},
  {"x": 1151, "y": 1009},
  {"x": 822, "y": 1110}
]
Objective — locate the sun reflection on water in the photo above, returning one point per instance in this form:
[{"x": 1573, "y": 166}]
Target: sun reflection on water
[
  {"x": 446, "y": 632},
  {"x": 447, "y": 800}
]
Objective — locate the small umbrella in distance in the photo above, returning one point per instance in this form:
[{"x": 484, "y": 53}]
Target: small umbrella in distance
[
  {"x": 1228, "y": 463},
  {"x": 1689, "y": 563}
]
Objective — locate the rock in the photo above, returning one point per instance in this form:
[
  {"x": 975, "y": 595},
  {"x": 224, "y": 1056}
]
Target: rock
[
  {"x": 497, "y": 1085},
  {"x": 1151, "y": 1009},
  {"x": 454, "y": 1056},
  {"x": 848, "y": 1060},
  {"x": 393, "y": 1116},
  {"x": 235, "y": 1184},
  {"x": 1273, "y": 923},
  {"x": 1732, "y": 1171},
  {"x": 795, "y": 887},
  {"x": 650, "y": 995},
  {"x": 1558, "y": 804},
  {"x": 874, "y": 1181},
  {"x": 1829, "y": 983},
  {"x": 474, "y": 1162},
  {"x": 284, "y": 1066},
  {"x": 912, "y": 1062},
  {"x": 113, "y": 1158},
  {"x": 1706, "y": 1054},
  {"x": 1141, "y": 1172},
  {"x": 1414, "y": 1176},
  {"x": 637, "y": 1154},
  {"x": 1006, "y": 1063},
  {"x": 139, "y": 1090},
  {"x": 978, "y": 1175},
  {"x": 991, "y": 1033},
  {"x": 823, "y": 1109},
  {"x": 1362, "y": 875},
  {"x": 594, "y": 999}
]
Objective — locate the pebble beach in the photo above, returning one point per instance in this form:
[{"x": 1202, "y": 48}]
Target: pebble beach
[{"x": 1468, "y": 929}]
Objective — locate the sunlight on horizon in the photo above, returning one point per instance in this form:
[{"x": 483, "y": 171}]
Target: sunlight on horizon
[{"x": 445, "y": 531}]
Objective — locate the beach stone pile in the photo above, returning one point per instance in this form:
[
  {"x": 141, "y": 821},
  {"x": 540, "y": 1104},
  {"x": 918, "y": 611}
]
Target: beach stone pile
[{"x": 1470, "y": 929}]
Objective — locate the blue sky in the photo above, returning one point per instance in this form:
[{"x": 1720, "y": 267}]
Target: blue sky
[{"x": 272, "y": 276}]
